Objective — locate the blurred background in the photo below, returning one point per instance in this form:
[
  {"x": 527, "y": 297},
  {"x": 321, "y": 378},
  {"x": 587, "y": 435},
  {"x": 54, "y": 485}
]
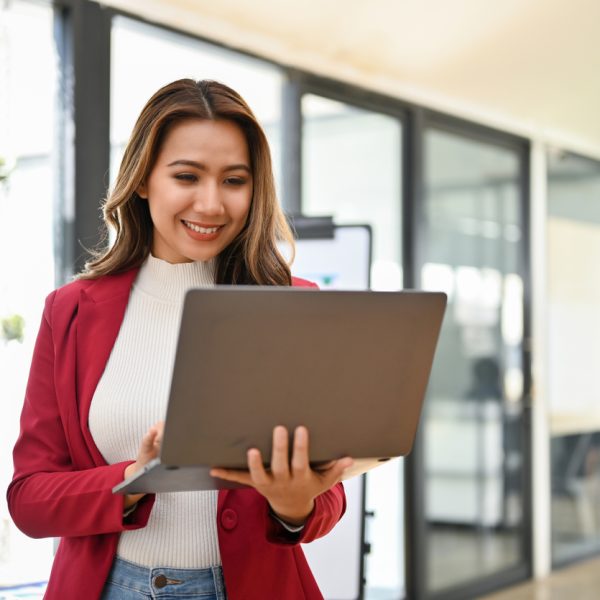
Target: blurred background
[{"x": 464, "y": 134}]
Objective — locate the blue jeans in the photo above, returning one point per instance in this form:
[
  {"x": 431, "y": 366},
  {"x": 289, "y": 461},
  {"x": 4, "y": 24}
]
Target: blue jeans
[{"x": 127, "y": 581}]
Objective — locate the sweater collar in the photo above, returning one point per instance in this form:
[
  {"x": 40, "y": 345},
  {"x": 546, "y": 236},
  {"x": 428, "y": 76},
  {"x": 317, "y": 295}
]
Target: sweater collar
[{"x": 169, "y": 282}]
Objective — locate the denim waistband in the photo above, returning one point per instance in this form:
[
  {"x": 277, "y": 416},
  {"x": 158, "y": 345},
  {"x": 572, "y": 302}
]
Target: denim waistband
[{"x": 163, "y": 581}]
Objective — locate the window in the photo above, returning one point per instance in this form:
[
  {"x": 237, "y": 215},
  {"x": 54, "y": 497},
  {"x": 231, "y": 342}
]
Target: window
[
  {"x": 28, "y": 77},
  {"x": 573, "y": 333},
  {"x": 473, "y": 433},
  {"x": 144, "y": 58},
  {"x": 351, "y": 171}
]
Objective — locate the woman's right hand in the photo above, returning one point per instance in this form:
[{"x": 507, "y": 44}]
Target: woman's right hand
[{"x": 149, "y": 449}]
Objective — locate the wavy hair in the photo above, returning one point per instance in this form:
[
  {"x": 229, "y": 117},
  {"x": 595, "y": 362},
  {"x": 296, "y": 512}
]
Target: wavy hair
[{"x": 252, "y": 258}]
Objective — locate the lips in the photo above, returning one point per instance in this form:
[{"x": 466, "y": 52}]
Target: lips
[
  {"x": 202, "y": 232},
  {"x": 204, "y": 229}
]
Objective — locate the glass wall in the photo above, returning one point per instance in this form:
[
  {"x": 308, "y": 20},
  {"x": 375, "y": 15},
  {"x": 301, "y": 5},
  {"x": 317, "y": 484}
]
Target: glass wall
[
  {"x": 573, "y": 327},
  {"x": 144, "y": 58},
  {"x": 351, "y": 170},
  {"x": 28, "y": 75},
  {"x": 473, "y": 441}
]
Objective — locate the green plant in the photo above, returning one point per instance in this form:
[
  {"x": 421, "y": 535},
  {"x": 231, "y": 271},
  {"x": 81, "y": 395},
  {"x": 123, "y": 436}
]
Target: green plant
[
  {"x": 5, "y": 169},
  {"x": 12, "y": 328}
]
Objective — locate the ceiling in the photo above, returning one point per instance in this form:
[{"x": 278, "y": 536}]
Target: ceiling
[{"x": 528, "y": 66}]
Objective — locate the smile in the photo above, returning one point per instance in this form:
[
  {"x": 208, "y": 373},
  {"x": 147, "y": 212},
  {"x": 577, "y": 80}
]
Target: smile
[{"x": 198, "y": 229}]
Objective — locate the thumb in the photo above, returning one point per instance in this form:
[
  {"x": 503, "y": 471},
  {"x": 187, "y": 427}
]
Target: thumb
[
  {"x": 336, "y": 472},
  {"x": 149, "y": 439}
]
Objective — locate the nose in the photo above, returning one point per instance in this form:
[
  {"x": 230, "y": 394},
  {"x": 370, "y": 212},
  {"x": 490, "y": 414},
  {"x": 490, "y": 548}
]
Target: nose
[{"x": 208, "y": 201}]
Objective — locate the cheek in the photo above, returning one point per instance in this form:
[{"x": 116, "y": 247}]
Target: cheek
[
  {"x": 240, "y": 209},
  {"x": 157, "y": 212},
  {"x": 166, "y": 201}
]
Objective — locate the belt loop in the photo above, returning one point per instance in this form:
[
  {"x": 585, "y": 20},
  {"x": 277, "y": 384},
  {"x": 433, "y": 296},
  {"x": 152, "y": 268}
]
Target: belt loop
[{"x": 219, "y": 581}]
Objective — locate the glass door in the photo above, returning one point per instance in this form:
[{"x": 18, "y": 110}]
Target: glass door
[
  {"x": 473, "y": 429},
  {"x": 351, "y": 160},
  {"x": 573, "y": 333}
]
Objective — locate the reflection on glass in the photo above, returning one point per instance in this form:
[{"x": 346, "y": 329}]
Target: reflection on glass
[
  {"x": 351, "y": 171},
  {"x": 27, "y": 89},
  {"x": 472, "y": 418},
  {"x": 575, "y": 495},
  {"x": 144, "y": 58},
  {"x": 573, "y": 234}
]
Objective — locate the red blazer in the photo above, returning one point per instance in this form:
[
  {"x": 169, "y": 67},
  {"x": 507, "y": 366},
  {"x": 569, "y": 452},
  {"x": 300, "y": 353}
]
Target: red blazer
[{"x": 62, "y": 485}]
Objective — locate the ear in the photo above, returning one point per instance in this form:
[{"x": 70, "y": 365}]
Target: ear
[{"x": 142, "y": 192}]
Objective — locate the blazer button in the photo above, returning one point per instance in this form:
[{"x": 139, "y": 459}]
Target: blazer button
[{"x": 229, "y": 519}]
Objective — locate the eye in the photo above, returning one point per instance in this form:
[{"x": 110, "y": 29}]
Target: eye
[
  {"x": 236, "y": 181},
  {"x": 188, "y": 177}
]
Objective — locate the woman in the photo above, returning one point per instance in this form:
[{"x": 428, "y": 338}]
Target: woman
[{"x": 193, "y": 204}]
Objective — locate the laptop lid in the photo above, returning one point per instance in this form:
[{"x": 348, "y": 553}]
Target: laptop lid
[{"x": 351, "y": 366}]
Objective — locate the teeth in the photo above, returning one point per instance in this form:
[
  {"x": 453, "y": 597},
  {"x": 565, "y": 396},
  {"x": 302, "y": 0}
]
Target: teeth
[{"x": 198, "y": 229}]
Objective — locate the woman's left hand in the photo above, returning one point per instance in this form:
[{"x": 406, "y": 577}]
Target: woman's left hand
[{"x": 289, "y": 487}]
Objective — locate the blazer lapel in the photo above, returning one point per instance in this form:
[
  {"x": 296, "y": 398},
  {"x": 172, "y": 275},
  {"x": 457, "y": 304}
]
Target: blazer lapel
[{"x": 101, "y": 310}]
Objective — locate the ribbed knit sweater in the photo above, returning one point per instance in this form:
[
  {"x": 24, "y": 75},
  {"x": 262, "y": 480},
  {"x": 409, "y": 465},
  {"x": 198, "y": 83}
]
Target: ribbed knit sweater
[{"x": 132, "y": 395}]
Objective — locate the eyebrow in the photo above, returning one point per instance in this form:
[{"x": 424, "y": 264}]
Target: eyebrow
[{"x": 202, "y": 167}]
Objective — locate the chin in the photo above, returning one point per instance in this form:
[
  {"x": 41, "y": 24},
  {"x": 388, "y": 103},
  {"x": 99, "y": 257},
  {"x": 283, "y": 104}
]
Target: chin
[{"x": 203, "y": 256}]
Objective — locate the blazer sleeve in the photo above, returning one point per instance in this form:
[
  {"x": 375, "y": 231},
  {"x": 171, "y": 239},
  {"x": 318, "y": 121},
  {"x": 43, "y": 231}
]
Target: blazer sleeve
[
  {"x": 48, "y": 496},
  {"x": 329, "y": 509}
]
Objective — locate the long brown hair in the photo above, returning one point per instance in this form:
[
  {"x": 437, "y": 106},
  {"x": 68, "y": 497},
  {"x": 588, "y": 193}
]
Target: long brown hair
[{"x": 252, "y": 257}]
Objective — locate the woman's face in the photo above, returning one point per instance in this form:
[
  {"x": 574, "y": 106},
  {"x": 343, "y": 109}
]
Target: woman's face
[{"x": 199, "y": 190}]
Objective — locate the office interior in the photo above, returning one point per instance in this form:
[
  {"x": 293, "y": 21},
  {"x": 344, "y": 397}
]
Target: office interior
[{"x": 464, "y": 135}]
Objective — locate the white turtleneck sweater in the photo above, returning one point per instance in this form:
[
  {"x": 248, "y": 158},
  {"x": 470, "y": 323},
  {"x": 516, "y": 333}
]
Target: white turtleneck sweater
[{"x": 132, "y": 395}]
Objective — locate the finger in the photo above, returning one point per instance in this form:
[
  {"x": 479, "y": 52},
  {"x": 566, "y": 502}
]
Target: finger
[
  {"x": 257, "y": 470},
  {"x": 147, "y": 450},
  {"x": 159, "y": 427},
  {"x": 279, "y": 455},
  {"x": 322, "y": 467},
  {"x": 148, "y": 440},
  {"x": 335, "y": 473},
  {"x": 300, "y": 454},
  {"x": 156, "y": 438},
  {"x": 234, "y": 475}
]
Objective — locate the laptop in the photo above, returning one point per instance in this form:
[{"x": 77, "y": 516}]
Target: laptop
[{"x": 352, "y": 366}]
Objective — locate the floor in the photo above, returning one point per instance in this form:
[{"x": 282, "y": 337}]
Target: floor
[
  {"x": 457, "y": 555},
  {"x": 578, "y": 582}
]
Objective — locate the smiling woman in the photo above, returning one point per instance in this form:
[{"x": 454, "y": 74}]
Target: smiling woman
[
  {"x": 188, "y": 137},
  {"x": 193, "y": 205}
]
